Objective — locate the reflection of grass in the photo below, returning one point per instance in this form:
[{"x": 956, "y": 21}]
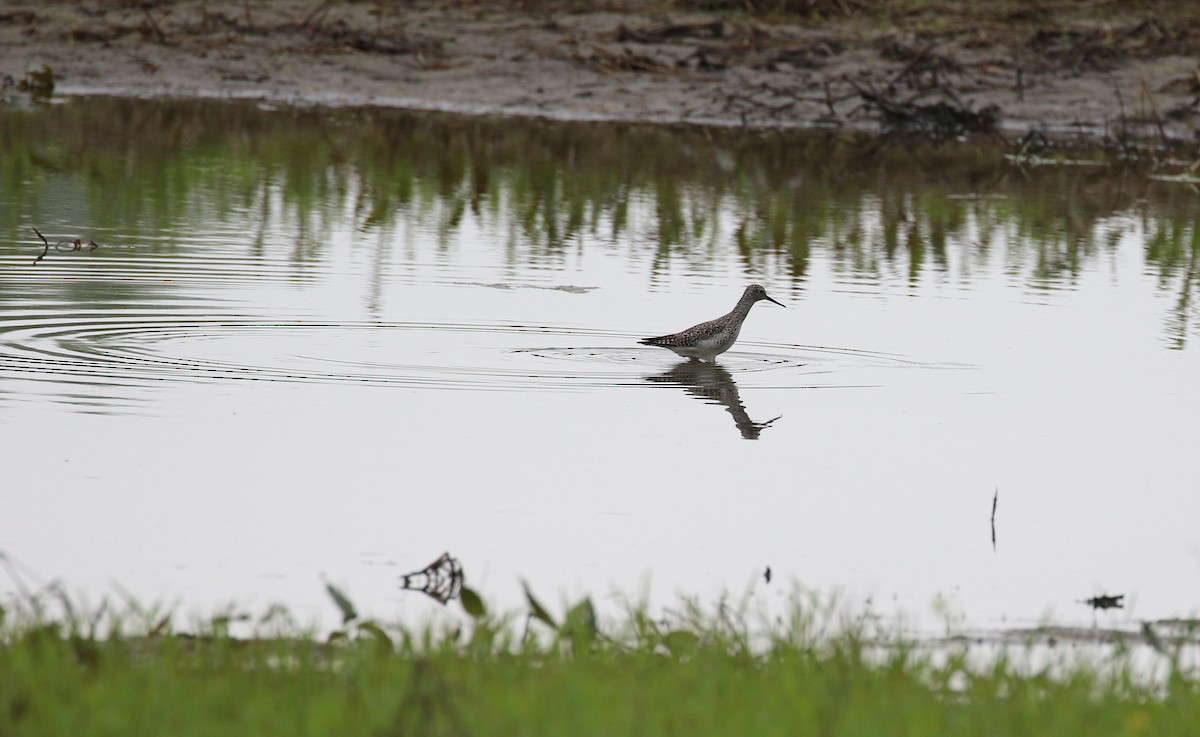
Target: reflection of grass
[
  {"x": 696, "y": 672},
  {"x": 872, "y": 205}
]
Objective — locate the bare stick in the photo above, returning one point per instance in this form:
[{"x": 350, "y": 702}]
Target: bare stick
[
  {"x": 320, "y": 10},
  {"x": 995, "y": 500},
  {"x": 162, "y": 39},
  {"x": 45, "y": 250},
  {"x": 1162, "y": 133}
]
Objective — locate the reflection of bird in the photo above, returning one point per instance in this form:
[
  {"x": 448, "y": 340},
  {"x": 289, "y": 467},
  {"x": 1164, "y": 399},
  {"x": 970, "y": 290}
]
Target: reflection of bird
[
  {"x": 713, "y": 384},
  {"x": 708, "y": 339}
]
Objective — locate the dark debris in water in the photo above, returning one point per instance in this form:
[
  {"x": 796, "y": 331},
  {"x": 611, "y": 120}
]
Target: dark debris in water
[
  {"x": 441, "y": 580},
  {"x": 1106, "y": 601},
  {"x": 67, "y": 246}
]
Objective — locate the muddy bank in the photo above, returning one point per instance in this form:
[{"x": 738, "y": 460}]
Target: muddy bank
[{"x": 1093, "y": 70}]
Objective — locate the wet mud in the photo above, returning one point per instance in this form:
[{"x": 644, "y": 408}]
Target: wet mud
[{"x": 1096, "y": 71}]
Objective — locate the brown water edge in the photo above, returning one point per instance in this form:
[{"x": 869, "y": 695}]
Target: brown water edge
[{"x": 1090, "y": 69}]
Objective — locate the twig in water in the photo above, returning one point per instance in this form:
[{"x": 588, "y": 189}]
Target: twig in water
[
  {"x": 995, "y": 500},
  {"x": 44, "y": 250},
  {"x": 63, "y": 246}
]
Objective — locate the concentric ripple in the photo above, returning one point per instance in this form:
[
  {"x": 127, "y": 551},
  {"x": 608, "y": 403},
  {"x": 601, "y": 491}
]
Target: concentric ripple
[{"x": 111, "y": 351}]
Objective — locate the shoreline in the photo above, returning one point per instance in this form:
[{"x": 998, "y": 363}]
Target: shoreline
[{"x": 942, "y": 75}]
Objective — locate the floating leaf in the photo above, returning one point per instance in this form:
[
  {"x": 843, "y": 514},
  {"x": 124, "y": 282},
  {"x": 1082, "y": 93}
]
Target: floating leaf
[
  {"x": 343, "y": 604},
  {"x": 536, "y": 609},
  {"x": 472, "y": 603}
]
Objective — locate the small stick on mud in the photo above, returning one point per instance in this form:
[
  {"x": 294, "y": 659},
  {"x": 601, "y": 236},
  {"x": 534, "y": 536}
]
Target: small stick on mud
[
  {"x": 1162, "y": 133},
  {"x": 829, "y": 100},
  {"x": 318, "y": 15},
  {"x": 162, "y": 38}
]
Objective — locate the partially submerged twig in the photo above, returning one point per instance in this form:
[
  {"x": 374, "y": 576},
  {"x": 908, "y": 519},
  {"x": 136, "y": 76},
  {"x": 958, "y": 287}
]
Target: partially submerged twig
[
  {"x": 74, "y": 244},
  {"x": 44, "y": 250},
  {"x": 995, "y": 500}
]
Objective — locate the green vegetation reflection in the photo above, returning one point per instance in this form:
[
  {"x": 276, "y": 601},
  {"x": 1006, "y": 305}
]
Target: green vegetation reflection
[{"x": 875, "y": 208}]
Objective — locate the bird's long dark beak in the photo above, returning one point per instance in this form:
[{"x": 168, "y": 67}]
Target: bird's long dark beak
[{"x": 776, "y": 301}]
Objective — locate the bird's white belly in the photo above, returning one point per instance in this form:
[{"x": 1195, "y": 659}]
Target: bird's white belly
[{"x": 707, "y": 348}]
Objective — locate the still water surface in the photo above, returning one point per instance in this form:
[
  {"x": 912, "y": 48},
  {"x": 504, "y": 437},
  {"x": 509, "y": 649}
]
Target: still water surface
[{"x": 335, "y": 344}]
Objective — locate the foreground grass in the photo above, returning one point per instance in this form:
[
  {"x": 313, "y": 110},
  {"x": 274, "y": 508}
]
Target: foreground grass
[{"x": 700, "y": 675}]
